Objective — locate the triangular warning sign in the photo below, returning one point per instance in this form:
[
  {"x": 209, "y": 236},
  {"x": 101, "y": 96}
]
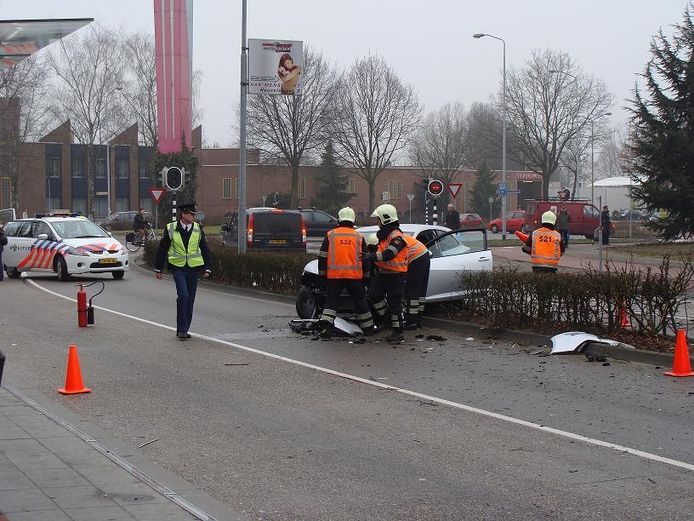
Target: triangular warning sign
[
  {"x": 454, "y": 188},
  {"x": 157, "y": 192}
]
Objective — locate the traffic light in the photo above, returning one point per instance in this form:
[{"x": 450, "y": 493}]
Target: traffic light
[
  {"x": 435, "y": 187},
  {"x": 173, "y": 178}
]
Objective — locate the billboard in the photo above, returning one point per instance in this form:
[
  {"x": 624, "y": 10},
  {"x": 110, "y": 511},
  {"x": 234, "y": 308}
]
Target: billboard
[{"x": 275, "y": 66}]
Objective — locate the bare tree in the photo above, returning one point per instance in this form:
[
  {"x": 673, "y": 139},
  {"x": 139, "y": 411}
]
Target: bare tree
[
  {"x": 439, "y": 147},
  {"x": 24, "y": 113},
  {"x": 138, "y": 86},
  {"x": 89, "y": 68},
  {"x": 372, "y": 115},
  {"x": 293, "y": 126},
  {"x": 549, "y": 103}
]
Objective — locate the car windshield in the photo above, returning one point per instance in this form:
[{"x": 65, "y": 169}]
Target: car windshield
[
  {"x": 458, "y": 243},
  {"x": 79, "y": 229}
]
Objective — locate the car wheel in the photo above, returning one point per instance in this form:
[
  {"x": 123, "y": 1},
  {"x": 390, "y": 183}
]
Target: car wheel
[
  {"x": 61, "y": 269},
  {"x": 118, "y": 275},
  {"x": 494, "y": 228},
  {"x": 306, "y": 306},
  {"x": 12, "y": 273}
]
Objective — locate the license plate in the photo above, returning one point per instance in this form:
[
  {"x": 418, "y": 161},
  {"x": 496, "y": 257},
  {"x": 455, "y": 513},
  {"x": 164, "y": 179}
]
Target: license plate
[
  {"x": 277, "y": 241},
  {"x": 108, "y": 261}
]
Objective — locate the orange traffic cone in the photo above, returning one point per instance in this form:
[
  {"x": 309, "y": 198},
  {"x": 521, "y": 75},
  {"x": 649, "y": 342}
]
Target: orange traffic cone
[
  {"x": 73, "y": 378},
  {"x": 681, "y": 365},
  {"x": 624, "y": 321},
  {"x": 522, "y": 236}
]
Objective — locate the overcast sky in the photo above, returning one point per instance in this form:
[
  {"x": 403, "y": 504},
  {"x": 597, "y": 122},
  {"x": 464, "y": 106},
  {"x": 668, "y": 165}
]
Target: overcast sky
[{"x": 429, "y": 42}]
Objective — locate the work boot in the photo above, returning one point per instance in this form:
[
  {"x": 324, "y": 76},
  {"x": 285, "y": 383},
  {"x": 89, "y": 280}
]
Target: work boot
[
  {"x": 395, "y": 336},
  {"x": 411, "y": 325},
  {"x": 369, "y": 331}
]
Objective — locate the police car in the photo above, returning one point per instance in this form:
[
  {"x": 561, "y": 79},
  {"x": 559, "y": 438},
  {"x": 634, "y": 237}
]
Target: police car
[{"x": 62, "y": 244}]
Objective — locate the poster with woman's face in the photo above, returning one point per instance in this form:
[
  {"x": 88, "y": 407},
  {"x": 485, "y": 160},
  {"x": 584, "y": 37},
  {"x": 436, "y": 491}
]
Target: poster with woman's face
[{"x": 275, "y": 67}]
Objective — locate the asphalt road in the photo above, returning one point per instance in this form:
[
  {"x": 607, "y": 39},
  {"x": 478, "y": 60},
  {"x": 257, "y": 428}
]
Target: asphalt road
[{"x": 335, "y": 430}]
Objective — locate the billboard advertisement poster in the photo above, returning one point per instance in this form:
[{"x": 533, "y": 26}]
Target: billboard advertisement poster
[{"x": 275, "y": 66}]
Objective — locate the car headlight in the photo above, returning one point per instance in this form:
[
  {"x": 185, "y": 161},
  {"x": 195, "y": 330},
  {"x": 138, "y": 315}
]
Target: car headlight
[{"x": 76, "y": 251}]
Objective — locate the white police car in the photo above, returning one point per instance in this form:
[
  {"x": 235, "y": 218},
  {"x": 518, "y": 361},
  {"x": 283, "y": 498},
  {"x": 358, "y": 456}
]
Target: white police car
[{"x": 66, "y": 245}]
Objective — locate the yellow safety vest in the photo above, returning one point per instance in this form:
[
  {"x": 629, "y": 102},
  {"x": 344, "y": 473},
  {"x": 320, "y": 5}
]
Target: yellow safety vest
[{"x": 178, "y": 256}]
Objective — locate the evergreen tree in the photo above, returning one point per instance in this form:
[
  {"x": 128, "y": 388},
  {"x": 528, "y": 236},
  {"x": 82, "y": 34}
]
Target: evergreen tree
[
  {"x": 332, "y": 190},
  {"x": 661, "y": 141},
  {"x": 484, "y": 189}
]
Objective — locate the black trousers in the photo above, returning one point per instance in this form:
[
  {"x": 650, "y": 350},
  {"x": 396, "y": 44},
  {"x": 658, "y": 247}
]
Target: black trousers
[
  {"x": 355, "y": 289},
  {"x": 416, "y": 286},
  {"x": 386, "y": 293}
]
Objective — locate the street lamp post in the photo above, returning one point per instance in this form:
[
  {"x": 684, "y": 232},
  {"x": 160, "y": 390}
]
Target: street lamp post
[
  {"x": 592, "y": 158},
  {"x": 503, "y": 132}
]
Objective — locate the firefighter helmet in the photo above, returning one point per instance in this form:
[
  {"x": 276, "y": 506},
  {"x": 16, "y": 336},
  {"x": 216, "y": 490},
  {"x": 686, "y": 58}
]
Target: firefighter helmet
[
  {"x": 549, "y": 217},
  {"x": 346, "y": 214},
  {"x": 372, "y": 239},
  {"x": 386, "y": 213}
]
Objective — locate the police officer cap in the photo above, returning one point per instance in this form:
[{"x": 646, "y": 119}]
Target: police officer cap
[{"x": 188, "y": 207}]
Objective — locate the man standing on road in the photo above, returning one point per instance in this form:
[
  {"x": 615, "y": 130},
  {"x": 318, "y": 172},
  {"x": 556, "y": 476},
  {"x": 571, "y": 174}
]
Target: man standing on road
[
  {"x": 452, "y": 218},
  {"x": 340, "y": 262},
  {"x": 184, "y": 249},
  {"x": 563, "y": 220},
  {"x": 418, "y": 264},
  {"x": 391, "y": 268},
  {"x": 605, "y": 224},
  {"x": 3, "y": 242},
  {"x": 545, "y": 246}
]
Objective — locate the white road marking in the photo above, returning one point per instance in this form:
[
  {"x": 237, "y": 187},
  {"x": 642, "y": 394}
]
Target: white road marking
[{"x": 442, "y": 401}]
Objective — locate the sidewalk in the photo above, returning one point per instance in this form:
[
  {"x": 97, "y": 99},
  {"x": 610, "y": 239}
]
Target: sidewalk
[{"x": 52, "y": 471}]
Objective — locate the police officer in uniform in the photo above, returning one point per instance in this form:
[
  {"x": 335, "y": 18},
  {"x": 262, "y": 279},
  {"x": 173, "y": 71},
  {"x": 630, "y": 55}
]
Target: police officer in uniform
[
  {"x": 184, "y": 249},
  {"x": 390, "y": 259},
  {"x": 545, "y": 245},
  {"x": 340, "y": 260},
  {"x": 418, "y": 264}
]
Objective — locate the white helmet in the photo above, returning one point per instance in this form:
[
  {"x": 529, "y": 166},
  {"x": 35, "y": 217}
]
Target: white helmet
[
  {"x": 549, "y": 218},
  {"x": 386, "y": 213},
  {"x": 346, "y": 214},
  {"x": 372, "y": 239}
]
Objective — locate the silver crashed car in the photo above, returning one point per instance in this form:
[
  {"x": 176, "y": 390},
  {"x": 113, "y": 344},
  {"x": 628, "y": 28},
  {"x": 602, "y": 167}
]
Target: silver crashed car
[{"x": 451, "y": 253}]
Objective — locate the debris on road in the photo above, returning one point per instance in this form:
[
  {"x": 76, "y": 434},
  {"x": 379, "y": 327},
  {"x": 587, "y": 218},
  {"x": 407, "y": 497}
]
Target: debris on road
[
  {"x": 437, "y": 338},
  {"x": 595, "y": 358},
  {"x": 235, "y": 363},
  {"x": 147, "y": 443},
  {"x": 575, "y": 342}
]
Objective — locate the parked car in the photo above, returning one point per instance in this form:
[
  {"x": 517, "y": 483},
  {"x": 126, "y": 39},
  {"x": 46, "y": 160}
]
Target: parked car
[
  {"x": 451, "y": 253},
  {"x": 584, "y": 216},
  {"x": 514, "y": 221},
  {"x": 122, "y": 220},
  {"x": 268, "y": 229},
  {"x": 66, "y": 245},
  {"x": 470, "y": 220},
  {"x": 317, "y": 222}
]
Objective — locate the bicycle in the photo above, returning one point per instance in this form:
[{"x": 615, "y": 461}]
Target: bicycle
[{"x": 133, "y": 242}]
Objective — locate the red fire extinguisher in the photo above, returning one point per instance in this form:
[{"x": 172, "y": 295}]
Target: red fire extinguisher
[{"x": 81, "y": 307}]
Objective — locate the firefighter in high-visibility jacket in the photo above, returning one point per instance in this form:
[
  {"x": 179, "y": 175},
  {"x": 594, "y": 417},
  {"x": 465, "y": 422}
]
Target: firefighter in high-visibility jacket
[
  {"x": 418, "y": 264},
  {"x": 341, "y": 262},
  {"x": 545, "y": 245},
  {"x": 390, "y": 258}
]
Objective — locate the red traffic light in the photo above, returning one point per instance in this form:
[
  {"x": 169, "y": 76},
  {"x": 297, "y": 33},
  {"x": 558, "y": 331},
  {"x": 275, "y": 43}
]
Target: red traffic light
[{"x": 435, "y": 187}]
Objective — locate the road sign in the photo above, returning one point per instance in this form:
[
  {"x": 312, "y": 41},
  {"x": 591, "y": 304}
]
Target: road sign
[
  {"x": 435, "y": 187},
  {"x": 502, "y": 190},
  {"x": 157, "y": 192},
  {"x": 173, "y": 178},
  {"x": 454, "y": 188}
]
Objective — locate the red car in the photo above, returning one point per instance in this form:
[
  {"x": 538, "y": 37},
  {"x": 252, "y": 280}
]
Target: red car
[
  {"x": 514, "y": 221},
  {"x": 470, "y": 220}
]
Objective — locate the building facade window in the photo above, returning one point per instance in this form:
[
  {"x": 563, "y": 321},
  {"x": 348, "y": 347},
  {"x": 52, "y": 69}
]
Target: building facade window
[
  {"x": 122, "y": 168},
  {"x": 79, "y": 205},
  {"x": 101, "y": 168},
  {"x": 77, "y": 167},
  {"x": 302, "y": 188},
  {"x": 5, "y": 192},
  {"x": 101, "y": 206},
  {"x": 122, "y": 204},
  {"x": 352, "y": 185},
  {"x": 53, "y": 167},
  {"x": 395, "y": 188},
  {"x": 143, "y": 170},
  {"x": 230, "y": 188}
]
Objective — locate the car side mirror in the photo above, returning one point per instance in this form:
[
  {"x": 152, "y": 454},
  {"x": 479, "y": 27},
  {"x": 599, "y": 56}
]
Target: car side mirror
[{"x": 42, "y": 236}]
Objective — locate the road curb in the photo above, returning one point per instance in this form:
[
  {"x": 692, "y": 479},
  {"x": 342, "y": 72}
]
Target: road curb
[{"x": 619, "y": 352}]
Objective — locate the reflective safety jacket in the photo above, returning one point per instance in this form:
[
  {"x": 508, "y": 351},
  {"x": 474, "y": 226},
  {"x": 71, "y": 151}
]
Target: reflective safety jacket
[
  {"x": 546, "y": 248},
  {"x": 344, "y": 254},
  {"x": 415, "y": 249},
  {"x": 178, "y": 255},
  {"x": 391, "y": 255}
]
